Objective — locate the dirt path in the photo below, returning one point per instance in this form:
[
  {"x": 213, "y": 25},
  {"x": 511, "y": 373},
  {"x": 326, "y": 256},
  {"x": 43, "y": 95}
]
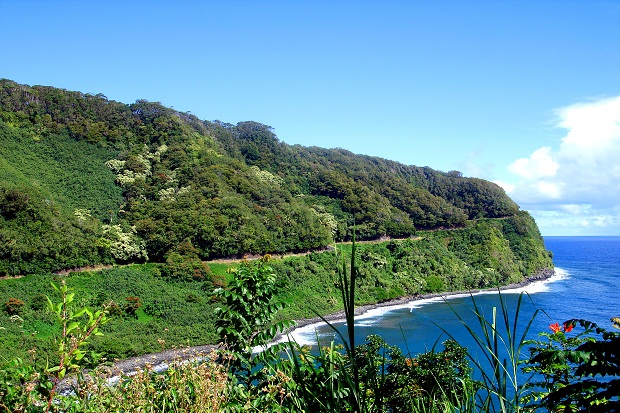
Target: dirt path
[
  {"x": 301, "y": 254},
  {"x": 235, "y": 260},
  {"x": 88, "y": 268}
]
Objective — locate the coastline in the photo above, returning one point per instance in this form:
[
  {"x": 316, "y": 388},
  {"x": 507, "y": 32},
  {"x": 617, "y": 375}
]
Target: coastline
[
  {"x": 161, "y": 360},
  {"x": 339, "y": 316}
]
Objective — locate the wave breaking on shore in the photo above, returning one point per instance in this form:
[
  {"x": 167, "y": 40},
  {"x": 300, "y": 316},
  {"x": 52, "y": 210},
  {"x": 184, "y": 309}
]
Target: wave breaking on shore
[{"x": 306, "y": 333}]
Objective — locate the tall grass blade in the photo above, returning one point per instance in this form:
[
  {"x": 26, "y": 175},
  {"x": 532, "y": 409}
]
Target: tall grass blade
[{"x": 501, "y": 347}]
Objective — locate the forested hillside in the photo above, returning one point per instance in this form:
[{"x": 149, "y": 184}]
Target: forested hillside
[{"x": 85, "y": 180}]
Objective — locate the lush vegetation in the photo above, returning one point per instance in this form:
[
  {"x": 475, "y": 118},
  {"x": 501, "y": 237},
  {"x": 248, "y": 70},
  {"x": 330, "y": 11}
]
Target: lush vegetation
[
  {"x": 475, "y": 257},
  {"x": 151, "y": 196},
  {"x": 130, "y": 183},
  {"x": 576, "y": 371},
  {"x": 147, "y": 312},
  {"x": 157, "y": 306}
]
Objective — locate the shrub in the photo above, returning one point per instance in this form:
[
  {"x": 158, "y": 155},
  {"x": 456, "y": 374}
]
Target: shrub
[
  {"x": 577, "y": 371},
  {"x": 132, "y": 304},
  {"x": 434, "y": 284},
  {"x": 187, "y": 388},
  {"x": 115, "y": 310},
  {"x": 38, "y": 302},
  {"x": 185, "y": 268},
  {"x": 193, "y": 298},
  {"x": 14, "y": 306},
  {"x": 429, "y": 378}
]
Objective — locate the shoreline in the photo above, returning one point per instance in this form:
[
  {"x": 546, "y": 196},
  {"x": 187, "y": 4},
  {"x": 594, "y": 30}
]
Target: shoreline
[
  {"x": 161, "y": 360},
  {"x": 542, "y": 275}
]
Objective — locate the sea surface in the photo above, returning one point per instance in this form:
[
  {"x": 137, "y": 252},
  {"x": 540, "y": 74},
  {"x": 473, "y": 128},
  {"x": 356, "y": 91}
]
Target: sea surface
[{"x": 586, "y": 286}]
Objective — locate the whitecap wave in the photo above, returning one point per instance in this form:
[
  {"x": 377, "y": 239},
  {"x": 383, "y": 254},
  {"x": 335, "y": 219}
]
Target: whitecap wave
[
  {"x": 542, "y": 286},
  {"x": 307, "y": 335}
]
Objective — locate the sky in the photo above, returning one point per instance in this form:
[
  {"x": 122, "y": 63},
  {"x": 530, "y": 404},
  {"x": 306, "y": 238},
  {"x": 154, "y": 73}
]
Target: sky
[{"x": 522, "y": 93}]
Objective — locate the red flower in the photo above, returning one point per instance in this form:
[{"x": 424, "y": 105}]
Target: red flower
[
  {"x": 555, "y": 327},
  {"x": 568, "y": 327}
]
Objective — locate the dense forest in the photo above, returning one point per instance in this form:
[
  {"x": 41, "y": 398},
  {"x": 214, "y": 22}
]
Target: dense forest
[
  {"x": 142, "y": 201},
  {"x": 85, "y": 180}
]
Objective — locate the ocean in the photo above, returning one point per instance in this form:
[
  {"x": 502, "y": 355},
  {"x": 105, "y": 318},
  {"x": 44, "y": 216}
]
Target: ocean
[{"x": 586, "y": 285}]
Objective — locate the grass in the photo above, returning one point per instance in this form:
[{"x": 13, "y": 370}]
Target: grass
[
  {"x": 185, "y": 387},
  {"x": 502, "y": 343},
  {"x": 181, "y": 313},
  {"x": 220, "y": 270},
  {"x": 74, "y": 172}
]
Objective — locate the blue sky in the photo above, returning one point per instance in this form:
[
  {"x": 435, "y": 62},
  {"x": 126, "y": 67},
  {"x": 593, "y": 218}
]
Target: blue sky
[{"x": 523, "y": 93}]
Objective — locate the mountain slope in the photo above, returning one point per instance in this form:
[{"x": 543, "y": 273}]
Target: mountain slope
[{"x": 141, "y": 181}]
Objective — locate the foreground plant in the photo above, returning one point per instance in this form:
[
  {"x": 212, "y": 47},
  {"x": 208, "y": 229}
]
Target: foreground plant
[
  {"x": 432, "y": 381},
  {"x": 75, "y": 334},
  {"x": 578, "y": 372},
  {"x": 343, "y": 388},
  {"x": 195, "y": 387},
  {"x": 247, "y": 323},
  {"x": 374, "y": 377},
  {"x": 17, "y": 386},
  {"x": 23, "y": 387},
  {"x": 502, "y": 344}
]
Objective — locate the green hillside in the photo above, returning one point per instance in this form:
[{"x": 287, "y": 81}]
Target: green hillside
[
  {"x": 87, "y": 181},
  {"x": 129, "y": 183},
  {"x": 178, "y": 307}
]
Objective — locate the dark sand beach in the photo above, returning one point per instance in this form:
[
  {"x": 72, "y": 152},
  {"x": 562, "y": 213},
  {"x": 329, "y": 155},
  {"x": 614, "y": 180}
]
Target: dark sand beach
[{"x": 160, "y": 360}]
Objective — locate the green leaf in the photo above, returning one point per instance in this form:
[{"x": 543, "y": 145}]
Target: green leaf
[
  {"x": 79, "y": 313},
  {"x": 73, "y": 326}
]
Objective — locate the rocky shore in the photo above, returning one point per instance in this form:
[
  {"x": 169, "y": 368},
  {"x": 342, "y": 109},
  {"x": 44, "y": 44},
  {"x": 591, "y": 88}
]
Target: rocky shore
[
  {"x": 161, "y": 360},
  {"x": 540, "y": 276}
]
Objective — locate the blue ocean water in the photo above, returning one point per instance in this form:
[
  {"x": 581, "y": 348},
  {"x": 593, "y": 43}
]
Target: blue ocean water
[{"x": 585, "y": 286}]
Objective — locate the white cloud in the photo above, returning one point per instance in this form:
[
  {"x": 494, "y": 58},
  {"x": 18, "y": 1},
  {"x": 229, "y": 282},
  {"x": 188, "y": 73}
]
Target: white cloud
[
  {"x": 508, "y": 187},
  {"x": 577, "y": 184},
  {"x": 576, "y": 209},
  {"x": 576, "y": 220},
  {"x": 539, "y": 164}
]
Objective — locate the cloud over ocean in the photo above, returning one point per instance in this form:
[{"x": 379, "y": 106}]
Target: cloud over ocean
[{"x": 576, "y": 186}]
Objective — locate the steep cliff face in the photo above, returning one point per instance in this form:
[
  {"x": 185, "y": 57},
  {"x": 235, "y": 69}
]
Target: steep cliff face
[{"x": 85, "y": 180}]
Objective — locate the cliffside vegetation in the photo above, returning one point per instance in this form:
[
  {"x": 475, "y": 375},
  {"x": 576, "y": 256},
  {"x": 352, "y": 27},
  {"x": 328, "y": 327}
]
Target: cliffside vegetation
[
  {"x": 158, "y": 306},
  {"x": 153, "y": 197},
  {"x": 87, "y": 181},
  {"x": 130, "y": 183}
]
